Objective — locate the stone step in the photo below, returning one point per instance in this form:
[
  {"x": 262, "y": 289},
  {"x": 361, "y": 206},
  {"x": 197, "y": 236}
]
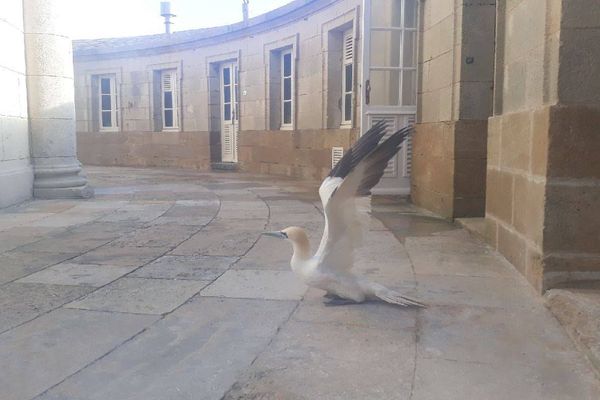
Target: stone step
[
  {"x": 578, "y": 310},
  {"x": 475, "y": 226},
  {"x": 224, "y": 166}
]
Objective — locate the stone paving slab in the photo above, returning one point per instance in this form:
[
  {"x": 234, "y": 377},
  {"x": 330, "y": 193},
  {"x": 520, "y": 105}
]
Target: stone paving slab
[
  {"x": 77, "y": 274},
  {"x": 41, "y": 353},
  {"x": 164, "y": 235},
  {"x": 197, "y": 353},
  {"x": 140, "y": 296},
  {"x": 9, "y": 220},
  {"x": 21, "y": 302},
  {"x": 20, "y": 236},
  {"x": 201, "y": 268},
  {"x": 74, "y": 245},
  {"x": 473, "y": 291},
  {"x": 257, "y": 284},
  {"x": 452, "y": 255},
  {"x": 326, "y": 361},
  {"x": 491, "y": 335},
  {"x": 16, "y": 264},
  {"x": 219, "y": 241},
  {"x": 454, "y": 380},
  {"x": 121, "y": 256},
  {"x": 267, "y": 253}
]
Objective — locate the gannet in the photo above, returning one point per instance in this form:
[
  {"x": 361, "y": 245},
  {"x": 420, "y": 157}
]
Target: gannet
[{"x": 330, "y": 268}]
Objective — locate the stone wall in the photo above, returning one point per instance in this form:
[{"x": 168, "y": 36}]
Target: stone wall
[
  {"x": 543, "y": 171},
  {"x": 146, "y": 149},
  {"x": 303, "y": 154},
  {"x": 454, "y": 102},
  {"x": 16, "y": 176},
  {"x": 310, "y": 29}
]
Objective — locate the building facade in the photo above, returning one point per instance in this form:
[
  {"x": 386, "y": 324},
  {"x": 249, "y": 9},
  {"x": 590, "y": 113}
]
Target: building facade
[{"x": 277, "y": 94}]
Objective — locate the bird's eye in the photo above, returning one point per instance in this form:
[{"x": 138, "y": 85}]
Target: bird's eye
[{"x": 284, "y": 234}]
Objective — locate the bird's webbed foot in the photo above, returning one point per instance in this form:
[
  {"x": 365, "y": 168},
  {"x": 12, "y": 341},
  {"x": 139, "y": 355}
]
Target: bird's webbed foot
[
  {"x": 338, "y": 301},
  {"x": 330, "y": 295}
]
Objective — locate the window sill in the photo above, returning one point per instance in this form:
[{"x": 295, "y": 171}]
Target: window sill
[
  {"x": 109, "y": 130},
  {"x": 171, "y": 130},
  {"x": 286, "y": 128},
  {"x": 346, "y": 126}
]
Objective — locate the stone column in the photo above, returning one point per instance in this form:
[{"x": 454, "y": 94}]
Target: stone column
[
  {"x": 456, "y": 72},
  {"x": 50, "y": 93}
]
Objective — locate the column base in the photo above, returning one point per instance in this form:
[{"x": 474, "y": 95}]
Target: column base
[{"x": 61, "y": 182}]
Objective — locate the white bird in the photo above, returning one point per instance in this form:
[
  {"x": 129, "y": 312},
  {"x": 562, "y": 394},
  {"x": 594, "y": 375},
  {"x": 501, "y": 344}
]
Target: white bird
[{"x": 330, "y": 268}]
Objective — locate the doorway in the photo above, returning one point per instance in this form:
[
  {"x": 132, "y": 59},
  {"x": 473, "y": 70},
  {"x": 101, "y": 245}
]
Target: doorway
[
  {"x": 389, "y": 80},
  {"x": 229, "y": 104}
]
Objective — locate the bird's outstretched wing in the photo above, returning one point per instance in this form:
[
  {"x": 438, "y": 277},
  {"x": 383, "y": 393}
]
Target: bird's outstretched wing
[{"x": 354, "y": 176}]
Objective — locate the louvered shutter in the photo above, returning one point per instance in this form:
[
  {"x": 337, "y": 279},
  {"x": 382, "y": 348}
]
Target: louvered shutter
[{"x": 336, "y": 155}]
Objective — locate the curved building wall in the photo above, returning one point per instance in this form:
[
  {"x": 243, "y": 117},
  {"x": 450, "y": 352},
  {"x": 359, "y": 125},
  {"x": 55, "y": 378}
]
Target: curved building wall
[{"x": 129, "y": 69}]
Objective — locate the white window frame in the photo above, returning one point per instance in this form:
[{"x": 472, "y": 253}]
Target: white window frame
[
  {"x": 174, "y": 96},
  {"x": 114, "y": 106},
  {"x": 290, "y": 124},
  {"x": 347, "y": 60}
]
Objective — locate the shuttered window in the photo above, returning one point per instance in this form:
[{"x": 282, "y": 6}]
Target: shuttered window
[
  {"x": 170, "y": 116},
  {"x": 347, "y": 77},
  {"x": 287, "y": 88},
  {"x": 107, "y": 96}
]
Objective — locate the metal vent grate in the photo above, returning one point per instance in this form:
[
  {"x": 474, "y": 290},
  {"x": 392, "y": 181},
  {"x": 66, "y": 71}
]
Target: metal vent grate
[{"x": 336, "y": 155}]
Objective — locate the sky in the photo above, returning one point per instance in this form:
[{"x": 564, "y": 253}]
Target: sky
[{"x": 115, "y": 18}]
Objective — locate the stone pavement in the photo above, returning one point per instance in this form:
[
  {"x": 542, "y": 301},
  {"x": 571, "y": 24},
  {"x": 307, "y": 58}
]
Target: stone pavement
[{"x": 161, "y": 287}]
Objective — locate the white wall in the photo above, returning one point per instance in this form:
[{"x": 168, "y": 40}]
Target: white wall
[{"x": 16, "y": 177}]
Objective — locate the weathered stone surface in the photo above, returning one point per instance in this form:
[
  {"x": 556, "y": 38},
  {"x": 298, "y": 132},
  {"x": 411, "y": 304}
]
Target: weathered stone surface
[
  {"x": 163, "y": 235},
  {"x": 219, "y": 241},
  {"x": 45, "y": 351},
  {"x": 267, "y": 253},
  {"x": 453, "y": 380},
  {"x": 200, "y": 268},
  {"x": 334, "y": 362},
  {"x": 140, "y": 296},
  {"x": 490, "y": 335},
  {"x": 471, "y": 290},
  {"x": 578, "y": 310},
  {"x": 19, "y": 236},
  {"x": 461, "y": 256},
  {"x": 257, "y": 284},
  {"x": 198, "y": 352},
  {"x": 77, "y": 274},
  {"x": 121, "y": 256},
  {"x": 16, "y": 264},
  {"x": 21, "y": 302}
]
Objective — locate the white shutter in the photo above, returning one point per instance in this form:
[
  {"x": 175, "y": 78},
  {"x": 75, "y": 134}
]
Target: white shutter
[
  {"x": 391, "y": 169},
  {"x": 348, "y": 47},
  {"x": 408, "y": 149},
  {"x": 336, "y": 155},
  {"x": 227, "y": 143},
  {"x": 168, "y": 81}
]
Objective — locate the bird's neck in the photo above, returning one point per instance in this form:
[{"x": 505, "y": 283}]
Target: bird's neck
[{"x": 301, "y": 249}]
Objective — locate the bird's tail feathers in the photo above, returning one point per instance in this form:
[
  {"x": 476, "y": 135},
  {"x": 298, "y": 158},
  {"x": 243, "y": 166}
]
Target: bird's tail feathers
[{"x": 393, "y": 297}]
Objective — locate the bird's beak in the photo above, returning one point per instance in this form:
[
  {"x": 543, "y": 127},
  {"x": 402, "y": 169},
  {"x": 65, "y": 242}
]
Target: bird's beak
[{"x": 276, "y": 234}]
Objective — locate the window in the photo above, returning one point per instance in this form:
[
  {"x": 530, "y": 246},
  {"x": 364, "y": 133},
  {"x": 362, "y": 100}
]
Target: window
[
  {"x": 392, "y": 64},
  {"x": 170, "y": 116},
  {"x": 107, "y": 101},
  {"x": 347, "y": 77},
  {"x": 230, "y": 93},
  {"x": 287, "y": 89}
]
